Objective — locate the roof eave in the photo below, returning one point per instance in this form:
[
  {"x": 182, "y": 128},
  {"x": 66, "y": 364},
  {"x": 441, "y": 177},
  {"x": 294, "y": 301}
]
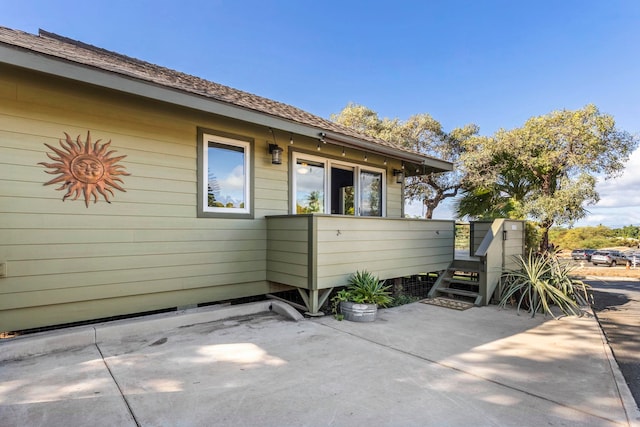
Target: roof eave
[
  {"x": 60, "y": 67},
  {"x": 415, "y": 158}
]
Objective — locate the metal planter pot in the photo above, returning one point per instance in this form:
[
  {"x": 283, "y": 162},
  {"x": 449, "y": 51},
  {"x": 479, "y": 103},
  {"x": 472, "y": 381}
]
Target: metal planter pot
[{"x": 358, "y": 312}]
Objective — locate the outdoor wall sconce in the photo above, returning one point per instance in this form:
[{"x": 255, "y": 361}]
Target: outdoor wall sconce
[
  {"x": 399, "y": 176},
  {"x": 276, "y": 154}
]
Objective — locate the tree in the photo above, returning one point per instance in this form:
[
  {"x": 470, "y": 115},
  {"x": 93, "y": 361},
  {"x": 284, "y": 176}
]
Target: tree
[
  {"x": 629, "y": 232},
  {"x": 213, "y": 190},
  {"x": 314, "y": 201},
  {"x": 424, "y": 134},
  {"x": 548, "y": 167}
]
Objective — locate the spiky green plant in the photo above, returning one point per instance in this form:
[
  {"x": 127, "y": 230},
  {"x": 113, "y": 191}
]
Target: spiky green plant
[
  {"x": 364, "y": 288},
  {"x": 542, "y": 281}
]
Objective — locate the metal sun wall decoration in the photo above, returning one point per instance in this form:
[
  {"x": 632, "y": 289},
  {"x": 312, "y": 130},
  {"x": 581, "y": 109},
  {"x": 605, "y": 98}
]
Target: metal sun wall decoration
[{"x": 85, "y": 168}]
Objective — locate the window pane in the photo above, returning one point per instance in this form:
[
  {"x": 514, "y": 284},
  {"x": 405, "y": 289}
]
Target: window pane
[
  {"x": 226, "y": 181},
  {"x": 309, "y": 187},
  {"x": 370, "y": 193},
  {"x": 342, "y": 190}
]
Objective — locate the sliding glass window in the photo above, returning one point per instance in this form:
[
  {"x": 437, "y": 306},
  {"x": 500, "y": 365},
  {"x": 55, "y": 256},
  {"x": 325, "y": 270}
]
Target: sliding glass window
[{"x": 330, "y": 186}]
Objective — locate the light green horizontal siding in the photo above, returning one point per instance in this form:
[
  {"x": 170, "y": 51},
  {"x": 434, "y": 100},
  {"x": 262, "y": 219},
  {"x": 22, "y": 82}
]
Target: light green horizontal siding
[
  {"x": 386, "y": 247},
  {"x": 129, "y": 249},
  {"x": 227, "y": 273},
  {"x": 147, "y": 278},
  {"x": 395, "y": 201},
  {"x": 288, "y": 251},
  {"x": 245, "y": 260},
  {"x": 514, "y": 245},
  {"x": 100, "y": 308},
  {"x": 147, "y": 249},
  {"x": 49, "y": 236}
]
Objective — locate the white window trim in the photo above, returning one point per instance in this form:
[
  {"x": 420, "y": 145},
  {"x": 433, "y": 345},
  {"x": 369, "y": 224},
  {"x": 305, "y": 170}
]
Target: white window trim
[
  {"x": 205, "y": 173},
  {"x": 328, "y": 163}
]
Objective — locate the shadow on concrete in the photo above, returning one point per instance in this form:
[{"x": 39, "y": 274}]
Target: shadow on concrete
[{"x": 417, "y": 365}]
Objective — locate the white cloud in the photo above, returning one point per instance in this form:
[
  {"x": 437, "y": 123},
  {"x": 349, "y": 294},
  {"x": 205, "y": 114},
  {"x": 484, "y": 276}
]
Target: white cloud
[
  {"x": 232, "y": 185},
  {"x": 235, "y": 180},
  {"x": 619, "y": 203},
  {"x": 623, "y": 191}
]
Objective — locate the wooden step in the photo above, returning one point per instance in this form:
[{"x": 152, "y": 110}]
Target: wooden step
[
  {"x": 466, "y": 265},
  {"x": 461, "y": 281},
  {"x": 463, "y": 271},
  {"x": 458, "y": 292}
]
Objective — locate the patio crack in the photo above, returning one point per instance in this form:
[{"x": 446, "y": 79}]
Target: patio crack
[{"x": 115, "y": 381}]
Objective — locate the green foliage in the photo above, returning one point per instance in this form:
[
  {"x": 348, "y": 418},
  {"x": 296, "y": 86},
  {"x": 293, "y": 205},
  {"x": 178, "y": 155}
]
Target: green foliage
[
  {"x": 364, "y": 288},
  {"x": 314, "y": 204},
  {"x": 462, "y": 236},
  {"x": 484, "y": 203},
  {"x": 628, "y": 232},
  {"x": 546, "y": 168},
  {"x": 531, "y": 237},
  {"x": 593, "y": 237},
  {"x": 340, "y": 296},
  {"x": 402, "y": 300},
  {"x": 543, "y": 281},
  {"x": 421, "y": 133}
]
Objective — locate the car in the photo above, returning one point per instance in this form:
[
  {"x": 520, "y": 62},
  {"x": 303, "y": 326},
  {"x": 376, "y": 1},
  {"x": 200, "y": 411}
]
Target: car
[
  {"x": 633, "y": 257},
  {"x": 609, "y": 257},
  {"x": 582, "y": 254}
]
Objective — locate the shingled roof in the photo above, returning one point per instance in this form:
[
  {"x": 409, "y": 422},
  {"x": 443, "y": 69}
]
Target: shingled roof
[{"x": 75, "y": 52}]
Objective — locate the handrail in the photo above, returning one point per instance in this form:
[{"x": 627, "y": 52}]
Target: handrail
[
  {"x": 490, "y": 253},
  {"x": 490, "y": 238}
]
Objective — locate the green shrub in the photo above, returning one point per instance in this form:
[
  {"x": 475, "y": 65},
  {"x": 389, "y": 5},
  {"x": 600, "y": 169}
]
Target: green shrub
[
  {"x": 364, "y": 288},
  {"x": 542, "y": 281},
  {"x": 402, "y": 300}
]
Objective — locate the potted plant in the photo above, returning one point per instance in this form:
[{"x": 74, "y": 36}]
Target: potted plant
[{"x": 359, "y": 301}]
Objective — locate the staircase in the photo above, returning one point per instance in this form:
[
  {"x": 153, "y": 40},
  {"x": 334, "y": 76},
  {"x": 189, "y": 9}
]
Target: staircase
[
  {"x": 460, "y": 281},
  {"x": 477, "y": 276}
]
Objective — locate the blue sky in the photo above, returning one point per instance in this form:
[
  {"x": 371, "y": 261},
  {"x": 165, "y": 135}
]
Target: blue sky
[{"x": 494, "y": 63}]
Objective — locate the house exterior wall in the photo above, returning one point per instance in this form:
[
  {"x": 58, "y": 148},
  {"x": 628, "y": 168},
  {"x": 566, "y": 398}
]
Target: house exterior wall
[
  {"x": 146, "y": 250},
  {"x": 387, "y": 247},
  {"x": 322, "y": 251},
  {"x": 499, "y": 249},
  {"x": 514, "y": 245},
  {"x": 289, "y": 249}
]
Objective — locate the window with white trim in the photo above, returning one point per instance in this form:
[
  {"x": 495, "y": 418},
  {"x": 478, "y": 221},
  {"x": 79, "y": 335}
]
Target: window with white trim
[
  {"x": 323, "y": 185},
  {"x": 225, "y": 176}
]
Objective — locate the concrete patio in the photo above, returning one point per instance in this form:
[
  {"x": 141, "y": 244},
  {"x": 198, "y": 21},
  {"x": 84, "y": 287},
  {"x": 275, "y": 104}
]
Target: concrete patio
[{"x": 416, "y": 365}]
